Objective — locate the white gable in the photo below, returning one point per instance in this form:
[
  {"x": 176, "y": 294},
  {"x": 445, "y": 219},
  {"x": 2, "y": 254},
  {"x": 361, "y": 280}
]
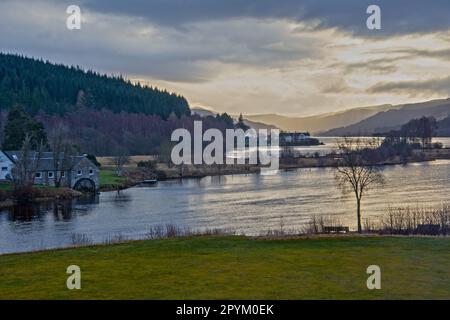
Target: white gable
[{"x": 6, "y": 166}]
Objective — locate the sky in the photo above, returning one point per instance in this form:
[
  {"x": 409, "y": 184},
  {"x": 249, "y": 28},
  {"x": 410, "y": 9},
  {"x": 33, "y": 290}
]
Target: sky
[{"x": 290, "y": 57}]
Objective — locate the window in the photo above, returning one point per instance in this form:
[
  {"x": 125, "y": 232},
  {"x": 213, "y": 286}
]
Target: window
[
  {"x": 50, "y": 174},
  {"x": 91, "y": 172},
  {"x": 38, "y": 175},
  {"x": 4, "y": 168},
  {"x": 63, "y": 174},
  {"x": 80, "y": 172}
]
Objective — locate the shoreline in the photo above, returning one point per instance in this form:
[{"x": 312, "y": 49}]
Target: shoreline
[
  {"x": 201, "y": 171},
  {"x": 280, "y": 237},
  {"x": 49, "y": 194}
]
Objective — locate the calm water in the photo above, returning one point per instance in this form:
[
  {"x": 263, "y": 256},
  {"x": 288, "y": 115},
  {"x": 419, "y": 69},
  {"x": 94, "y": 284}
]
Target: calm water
[{"x": 249, "y": 204}]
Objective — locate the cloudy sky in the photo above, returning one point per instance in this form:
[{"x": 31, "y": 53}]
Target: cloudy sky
[{"x": 292, "y": 57}]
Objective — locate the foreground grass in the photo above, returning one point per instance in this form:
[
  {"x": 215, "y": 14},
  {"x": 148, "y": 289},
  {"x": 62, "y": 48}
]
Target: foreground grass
[{"x": 236, "y": 268}]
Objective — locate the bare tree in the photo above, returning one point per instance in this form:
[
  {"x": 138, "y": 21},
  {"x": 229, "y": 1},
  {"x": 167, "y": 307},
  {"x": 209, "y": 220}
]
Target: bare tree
[
  {"x": 119, "y": 161},
  {"x": 26, "y": 164},
  {"x": 165, "y": 151},
  {"x": 62, "y": 153},
  {"x": 357, "y": 172}
]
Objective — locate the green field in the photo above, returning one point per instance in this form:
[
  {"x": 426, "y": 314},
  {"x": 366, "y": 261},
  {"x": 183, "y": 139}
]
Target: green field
[
  {"x": 6, "y": 186},
  {"x": 110, "y": 178},
  {"x": 9, "y": 187},
  {"x": 235, "y": 268}
]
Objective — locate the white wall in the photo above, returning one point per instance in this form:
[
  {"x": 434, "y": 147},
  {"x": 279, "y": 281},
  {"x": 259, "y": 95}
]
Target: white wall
[{"x": 5, "y": 163}]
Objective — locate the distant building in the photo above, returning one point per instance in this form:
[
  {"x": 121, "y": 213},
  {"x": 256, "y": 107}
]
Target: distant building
[
  {"x": 76, "y": 172},
  {"x": 294, "y": 137}
]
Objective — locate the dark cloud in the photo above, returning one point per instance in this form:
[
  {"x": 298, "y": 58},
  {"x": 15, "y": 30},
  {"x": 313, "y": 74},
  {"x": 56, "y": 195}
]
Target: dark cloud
[
  {"x": 414, "y": 88},
  {"x": 121, "y": 44},
  {"x": 408, "y": 53},
  {"x": 390, "y": 64},
  {"x": 337, "y": 85},
  {"x": 250, "y": 47},
  {"x": 398, "y": 16},
  {"x": 374, "y": 66}
]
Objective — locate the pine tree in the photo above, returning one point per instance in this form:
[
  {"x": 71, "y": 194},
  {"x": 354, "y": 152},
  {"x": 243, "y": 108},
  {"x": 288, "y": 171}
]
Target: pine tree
[
  {"x": 226, "y": 119},
  {"x": 58, "y": 89},
  {"x": 241, "y": 124},
  {"x": 18, "y": 126}
]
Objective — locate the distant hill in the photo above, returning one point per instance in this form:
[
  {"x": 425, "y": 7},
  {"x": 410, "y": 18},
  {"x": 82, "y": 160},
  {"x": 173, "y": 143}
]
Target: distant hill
[
  {"x": 394, "y": 118},
  {"x": 40, "y": 85},
  {"x": 259, "y": 125},
  {"x": 202, "y": 112},
  {"x": 319, "y": 123}
]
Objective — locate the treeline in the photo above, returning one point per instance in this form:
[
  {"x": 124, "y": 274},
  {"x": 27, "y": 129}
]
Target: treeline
[
  {"x": 55, "y": 89},
  {"x": 98, "y": 114},
  {"x": 103, "y": 133},
  {"x": 443, "y": 129},
  {"x": 418, "y": 132}
]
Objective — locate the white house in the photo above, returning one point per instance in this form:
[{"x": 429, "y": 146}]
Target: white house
[{"x": 6, "y": 166}]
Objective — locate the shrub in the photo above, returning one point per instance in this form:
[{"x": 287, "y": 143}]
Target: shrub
[
  {"x": 3, "y": 195},
  {"x": 25, "y": 193},
  {"x": 161, "y": 175},
  {"x": 149, "y": 164},
  {"x": 411, "y": 220}
]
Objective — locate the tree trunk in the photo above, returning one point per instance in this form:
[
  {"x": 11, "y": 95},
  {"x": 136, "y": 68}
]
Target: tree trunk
[
  {"x": 358, "y": 214},
  {"x": 58, "y": 179}
]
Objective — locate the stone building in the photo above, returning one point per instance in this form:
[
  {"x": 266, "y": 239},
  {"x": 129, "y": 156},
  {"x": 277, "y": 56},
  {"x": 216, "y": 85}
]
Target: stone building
[{"x": 76, "y": 172}]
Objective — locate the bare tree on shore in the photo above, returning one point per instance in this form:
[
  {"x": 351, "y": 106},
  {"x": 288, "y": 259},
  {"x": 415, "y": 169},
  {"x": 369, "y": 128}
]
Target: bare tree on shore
[
  {"x": 62, "y": 153},
  {"x": 26, "y": 164},
  {"x": 119, "y": 161},
  {"x": 357, "y": 172}
]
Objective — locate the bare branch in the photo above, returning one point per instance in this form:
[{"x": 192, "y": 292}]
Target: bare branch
[{"x": 357, "y": 170}]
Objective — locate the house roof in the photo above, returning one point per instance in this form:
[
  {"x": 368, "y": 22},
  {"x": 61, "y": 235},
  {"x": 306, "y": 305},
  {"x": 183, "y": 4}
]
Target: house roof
[{"x": 46, "y": 159}]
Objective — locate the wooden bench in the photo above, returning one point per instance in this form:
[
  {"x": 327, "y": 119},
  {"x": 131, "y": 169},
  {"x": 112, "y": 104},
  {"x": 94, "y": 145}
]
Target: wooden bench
[{"x": 330, "y": 229}]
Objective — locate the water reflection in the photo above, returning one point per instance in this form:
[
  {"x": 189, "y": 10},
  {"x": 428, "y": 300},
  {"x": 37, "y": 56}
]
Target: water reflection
[
  {"x": 121, "y": 199},
  {"x": 25, "y": 212},
  {"x": 61, "y": 209}
]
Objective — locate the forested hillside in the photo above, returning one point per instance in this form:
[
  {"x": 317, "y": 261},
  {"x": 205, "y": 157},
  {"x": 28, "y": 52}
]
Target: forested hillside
[
  {"x": 97, "y": 114},
  {"x": 57, "y": 89}
]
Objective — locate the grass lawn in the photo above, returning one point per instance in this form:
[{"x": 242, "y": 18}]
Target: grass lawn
[
  {"x": 236, "y": 268},
  {"x": 110, "y": 177},
  {"x": 6, "y": 186},
  {"x": 10, "y": 187}
]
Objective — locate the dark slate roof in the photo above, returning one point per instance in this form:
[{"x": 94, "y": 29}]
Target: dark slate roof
[{"x": 46, "y": 161}]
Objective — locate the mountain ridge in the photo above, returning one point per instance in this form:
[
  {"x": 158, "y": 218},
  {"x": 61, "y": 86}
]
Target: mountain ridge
[
  {"x": 393, "y": 119},
  {"x": 318, "y": 123}
]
